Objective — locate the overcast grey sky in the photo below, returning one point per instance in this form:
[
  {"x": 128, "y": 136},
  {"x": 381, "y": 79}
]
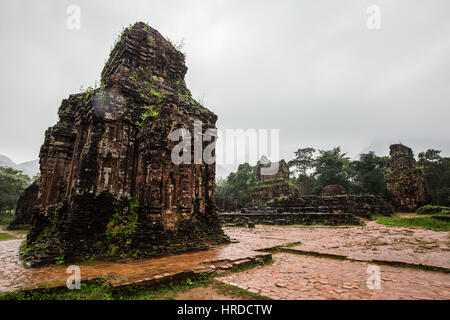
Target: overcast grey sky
[{"x": 310, "y": 68}]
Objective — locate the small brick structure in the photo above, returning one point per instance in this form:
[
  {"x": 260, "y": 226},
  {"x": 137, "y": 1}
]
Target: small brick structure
[
  {"x": 333, "y": 190},
  {"x": 108, "y": 186}
]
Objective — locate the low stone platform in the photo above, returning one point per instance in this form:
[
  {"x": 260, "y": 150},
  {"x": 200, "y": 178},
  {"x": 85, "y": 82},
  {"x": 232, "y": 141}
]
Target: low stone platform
[
  {"x": 361, "y": 206},
  {"x": 260, "y": 217}
]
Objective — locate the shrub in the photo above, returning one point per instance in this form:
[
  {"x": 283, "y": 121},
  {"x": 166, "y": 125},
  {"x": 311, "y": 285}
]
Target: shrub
[{"x": 431, "y": 209}]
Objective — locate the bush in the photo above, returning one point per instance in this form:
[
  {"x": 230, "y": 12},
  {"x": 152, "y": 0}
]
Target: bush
[{"x": 431, "y": 209}]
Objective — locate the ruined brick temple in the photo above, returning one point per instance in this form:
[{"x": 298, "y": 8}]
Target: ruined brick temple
[
  {"x": 404, "y": 181},
  {"x": 272, "y": 186},
  {"x": 108, "y": 187}
]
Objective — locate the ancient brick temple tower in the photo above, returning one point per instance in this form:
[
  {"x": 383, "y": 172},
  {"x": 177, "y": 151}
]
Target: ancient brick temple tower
[
  {"x": 108, "y": 187},
  {"x": 404, "y": 181}
]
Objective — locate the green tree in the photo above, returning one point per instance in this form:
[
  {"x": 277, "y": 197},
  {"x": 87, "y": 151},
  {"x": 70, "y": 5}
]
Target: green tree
[
  {"x": 12, "y": 184},
  {"x": 368, "y": 174},
  {"x": 303, "y": 160},
  {"x": 437, "y": 175},
  {"x": 239, "y": 183},
  {"x": 331, "y": 167},
  {"x": 305, "y": 183}
]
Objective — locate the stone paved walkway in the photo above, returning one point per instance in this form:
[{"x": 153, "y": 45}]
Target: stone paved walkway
[
  {"x": 292, "y": 275},
  {"x": 373, "y": 242},
  {"x": 296, "y": 277}
]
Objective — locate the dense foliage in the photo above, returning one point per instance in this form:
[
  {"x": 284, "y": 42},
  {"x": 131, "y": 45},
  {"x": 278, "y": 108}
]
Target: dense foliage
[
  {"x": 12, "y": 184},
  {"x": 238, "y": 184},
  {"x": 333, "y": 167},
  {"x": 314, "y": 169},
  {"x": 368, "y": 174},
  {"x": 437, "y": 176}
]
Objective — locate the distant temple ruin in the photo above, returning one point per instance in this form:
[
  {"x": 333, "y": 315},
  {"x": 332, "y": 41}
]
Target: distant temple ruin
[
  {"x": 404, "y": 181},
  {"x": 271, "y": 186},
  {"x": 108, "y": 186}
]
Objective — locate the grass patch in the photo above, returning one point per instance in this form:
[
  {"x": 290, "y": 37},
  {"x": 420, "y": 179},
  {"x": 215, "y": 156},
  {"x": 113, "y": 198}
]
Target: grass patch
[
  {"x": 5, "y": 236},
  {"x": 95, "y": 290},
  {"x": 425, "y": 222},
  {"x": 257, "y": 263},
  {"x": 168, "y": 291},
  {"x": 100, "y": 290},
  {"x": 235, "y": 292}
]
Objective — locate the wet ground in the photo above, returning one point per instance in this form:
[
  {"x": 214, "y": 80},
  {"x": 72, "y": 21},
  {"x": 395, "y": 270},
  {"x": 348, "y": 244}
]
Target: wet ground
[
  {"x": 296, "y": 277},
  {"x": 338, "y": 269}
]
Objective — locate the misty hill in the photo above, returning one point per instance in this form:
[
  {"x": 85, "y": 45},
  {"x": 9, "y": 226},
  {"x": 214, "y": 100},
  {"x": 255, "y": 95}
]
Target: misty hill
[{"x": 30, "y": 168}]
